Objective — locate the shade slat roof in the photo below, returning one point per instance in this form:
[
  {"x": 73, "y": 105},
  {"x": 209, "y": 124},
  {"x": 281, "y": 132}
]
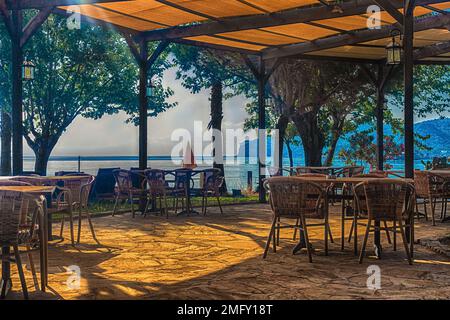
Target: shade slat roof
[{"x": 149, "y": 15}]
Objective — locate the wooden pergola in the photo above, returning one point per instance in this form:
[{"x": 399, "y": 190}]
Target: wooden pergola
[{"x": 263, "y": 31}]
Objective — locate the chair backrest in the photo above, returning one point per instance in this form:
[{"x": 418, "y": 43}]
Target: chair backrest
[
  {"x": 422, "y": 183},
  {"x": 28, "y": 179},
  {"x": 212, "y": 180},
  {"x": 104, "y": 182},
  {"x": 351, "y": 171},
  {"x": 123, "y": 179},
  {"x": 386, "y": 198},
  {"x": 290, "y": 196},
  {"x": 76, "y": 187},
  {"x": 69, "y": 173},
  {"x": 379, "y": 173},
  {"x": 156, "y": 181},
  {"x": 182, "y": 178},
  {"x": 85, "y": 191},
  {"x": 10, "y": 216},
  {"x": 13, "y": 183}
]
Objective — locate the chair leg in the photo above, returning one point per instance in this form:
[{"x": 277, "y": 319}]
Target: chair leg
[
  {"x": 116, "y": 202},
  {"x": 132, "y": 205},
  {"x": 32, "y": 266},
  {"x": 331, "y": 235},
  {"x": 20, "y": 269},
  {"x": 62, "y": 226},
  {"x": 220, "y": 205},
  {"x": 405, "y": 243},
  {"x": 425, "y": 209},
  {"x": 269, "y": 238},
  {"x": 388, "y": 236},
  {"x": 366, "y": 236},
  {"x": 350, "y": 234},
  {"x": 203, "y": 205},
  {"x": 278, "y": 231},
  {"x": 79, "y": 224},
  {"x": 355, "y": 235},
  {"x": 395, "y": 235},
  {"x": 274, "y": 238},
  {"x": 305, "y": 231},
  {"x": 91, "y": 226},
  {"x": 72, "y": 237},
  {"x": 343, "y": 226},
  {"x": 297, "y": 223},
  {"x": 433, "y": 206},
  {"x": 411, "y": 237}
]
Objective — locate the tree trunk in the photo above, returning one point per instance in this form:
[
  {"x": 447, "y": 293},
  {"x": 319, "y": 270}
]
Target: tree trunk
[
  {"x": 313, "y": 140},
  {"x": 5, "y": 166},
  {"x": 216, "y": 125},
  {"x": 332, "y": 149},
  {"x": 281, "y": 126},
  {"x": 42, "y": 156},
  {"x": 291, "y": 158}
]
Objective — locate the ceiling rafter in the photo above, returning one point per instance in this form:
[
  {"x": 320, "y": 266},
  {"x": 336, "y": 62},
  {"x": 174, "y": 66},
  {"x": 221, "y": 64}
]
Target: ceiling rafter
[
  {"x": 40, "y": 4},
  {"x": 352, "y": 38},
  {"x": 289, "y": 16}
]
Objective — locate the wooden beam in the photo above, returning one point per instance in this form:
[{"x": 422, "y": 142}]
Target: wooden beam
[
  {"x": 351, "y": 38},
  {"x": 143, "y": 105},
  {"x": 215, "y": 46},
  {"x": 40, "y": 4},
  {"x": 387, "y": 5},
  {"x": 155, "y": 55},
  {"x": 101, "y": 23},
  {"x": 134, "y": 47},
  {"x": 34, "y": 24},
  {"x": 432, "y": 50},
  {"x": 297, "y": 15},
  {"x": 4, "y": 13}
]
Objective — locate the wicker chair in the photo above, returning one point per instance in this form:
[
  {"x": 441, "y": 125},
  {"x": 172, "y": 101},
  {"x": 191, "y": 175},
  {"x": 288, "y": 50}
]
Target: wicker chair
[
  {"x": 67, "y": 197},
  {"x": 298, "y": 199},
  {"x": 157, "y": 189},
  {"x": 18, "y": 228},
  {"x": 181, "y": 185},
  {"x": 81, "y": 202},
  {"x": 388, "y": 200},
  {"x": 325, "y": 186},
  {"x": 350, "y": 210},
  {"x": 429, "y": 188},
  {"x": 125, "y": 190},
  {"x": 212, "y": 182}
]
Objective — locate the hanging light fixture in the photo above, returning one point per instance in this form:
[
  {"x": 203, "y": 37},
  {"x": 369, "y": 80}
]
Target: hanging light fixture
[
  {"x": 28, "y": 68},
  {"x": 269, "y": 100},
  {"x": 394, "y": 48},
  {"x": 150, "y": 90}
]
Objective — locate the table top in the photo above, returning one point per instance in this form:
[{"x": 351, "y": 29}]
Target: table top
[
  {"x": 29, "y": 189},
  {"x": 445, "y": 173}
]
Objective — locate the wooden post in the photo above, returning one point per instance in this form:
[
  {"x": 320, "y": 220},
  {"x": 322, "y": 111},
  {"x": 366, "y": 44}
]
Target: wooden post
[
  {"x": 143, "y": 74},
  {"x": 17, "y": 91},
  {"x": 261, "y": 127},
  {"x": 380, "y": 119},
  {"x": 408, "y": 33},
  {"x": 250, "y": 181}
]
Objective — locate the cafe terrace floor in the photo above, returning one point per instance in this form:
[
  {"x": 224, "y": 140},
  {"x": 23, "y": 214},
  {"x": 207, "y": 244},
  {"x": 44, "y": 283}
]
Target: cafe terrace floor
[{"x": 220, "y": 257}]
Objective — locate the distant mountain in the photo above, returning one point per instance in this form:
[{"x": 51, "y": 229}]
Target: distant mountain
[{"x": 439, "y": 141}]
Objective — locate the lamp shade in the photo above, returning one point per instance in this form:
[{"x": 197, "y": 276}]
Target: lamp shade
[{"x": 28, "y": 68}]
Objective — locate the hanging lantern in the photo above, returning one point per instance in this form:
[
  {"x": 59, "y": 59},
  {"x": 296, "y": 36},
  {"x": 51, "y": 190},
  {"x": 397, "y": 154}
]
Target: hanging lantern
[
  {"x": 28, "y": 68},
  {"x": 150, "y": 91},
  {"x": 269, "y": 100},
  {"x": 394, "y": 49}
]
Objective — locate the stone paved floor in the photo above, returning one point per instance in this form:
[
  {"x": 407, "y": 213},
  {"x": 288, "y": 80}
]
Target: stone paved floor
[{"x": 217, "y": 257}]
